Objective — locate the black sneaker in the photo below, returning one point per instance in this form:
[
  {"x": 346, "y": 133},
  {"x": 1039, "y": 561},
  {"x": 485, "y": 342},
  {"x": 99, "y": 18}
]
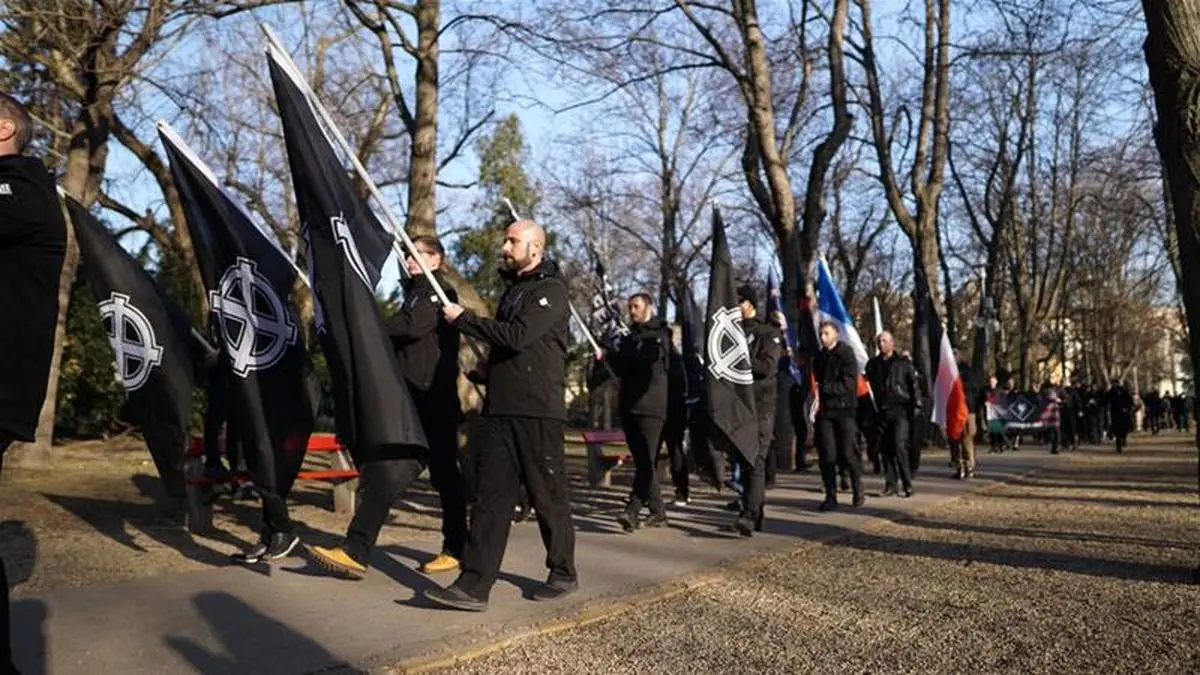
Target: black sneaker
[
  {"x": 888, "y": 491},
  {"x": 554, "y": 589},
  {"x": 744, "y": 525},
  {"x": 281, "y": 546},
  {"x": 455, "y": 598},
  {"x": 628, "y": 521},
  {"x": 735, "y": 505},
  {"x": 252, "y": 555},
  {"x": 829, "y": 505},
  {"x": 859, "y": 499},
  {"x": 908, "y": 492},
  {"x": 655, "y": 520}
]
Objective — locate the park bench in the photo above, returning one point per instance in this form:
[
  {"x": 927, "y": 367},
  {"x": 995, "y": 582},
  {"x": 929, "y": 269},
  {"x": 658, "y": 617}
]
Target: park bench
[
  {"x": 606, "y": 451},
  {"x": 340, "y": 473}
]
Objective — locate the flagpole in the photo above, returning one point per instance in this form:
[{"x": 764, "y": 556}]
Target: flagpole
[
  {"x": 574, "y": 313},
  {"x": 391, "y": 219}
]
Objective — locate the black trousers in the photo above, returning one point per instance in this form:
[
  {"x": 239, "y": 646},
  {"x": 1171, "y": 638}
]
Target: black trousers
[
  {"x": 513, "y": 450},
  {"x": 780, "y": 457},
  {"x": 6, "y": 663},
  {"x": 894, "y": 437},
  {"x": 644, "y": 436},
  {"x": 835, "y": 448},
  {"x": 918, "y": 435},
  {"x": 673, "y": 435},
  {"x": 800, "y": 426},
  {"x": 382, "y": 482}
]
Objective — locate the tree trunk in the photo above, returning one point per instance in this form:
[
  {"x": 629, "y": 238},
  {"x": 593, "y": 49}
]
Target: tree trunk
[
  {"x": 422, "y": 170},
  {"x": 1173, "y": 55}
]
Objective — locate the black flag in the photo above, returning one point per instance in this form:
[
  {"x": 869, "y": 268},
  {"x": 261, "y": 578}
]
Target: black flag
[
  {"x": 692, "y": 342},
  {"x": 733, "y": 423},
  {"x": 153, "y": 348},
  {"x": 248, "y": 279},
  {"x": 373, "y": 408}
]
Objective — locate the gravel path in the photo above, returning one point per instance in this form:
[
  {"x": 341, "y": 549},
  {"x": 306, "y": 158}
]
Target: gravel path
[{"x": 1084, "y": 567}]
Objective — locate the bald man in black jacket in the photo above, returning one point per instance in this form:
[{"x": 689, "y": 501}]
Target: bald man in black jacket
[{"x": 33, "y": 240}]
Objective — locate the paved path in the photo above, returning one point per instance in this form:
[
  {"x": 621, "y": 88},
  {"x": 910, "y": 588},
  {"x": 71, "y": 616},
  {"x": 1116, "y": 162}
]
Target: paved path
[{"x": 289, "y": 618}]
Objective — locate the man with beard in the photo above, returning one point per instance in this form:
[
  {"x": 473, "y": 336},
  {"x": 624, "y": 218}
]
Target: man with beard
[
  {"x": 427, "y": 350},
  {"x": 765, "y": 341},
  {"x": 640, "y": 361},
  {"x": 898, "y": 400},
  {"x": 33, "y": 240},
  {"x": 836, "y": 372},
  {"x": 521, "y": 428}
]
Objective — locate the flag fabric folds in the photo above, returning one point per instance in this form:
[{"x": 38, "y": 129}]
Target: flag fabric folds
[
  {"x": 949, "y": 398},
  {"x": 733, "y": 423},
  {"x": 154, "y": 351},
  {"x": 248, "y": 279},
  {"x": 775, "y": 309},
  {"x": 373, "y": 409}
]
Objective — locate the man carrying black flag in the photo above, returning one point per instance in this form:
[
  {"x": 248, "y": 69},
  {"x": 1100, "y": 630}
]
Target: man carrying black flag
[
  {"x": 427, "y": 347},
  {"x": 33, "y": 241},
  {"x": 733, "y": 420},
  {"x": 374, "y": 411},
  {"x": 521, "y": 430},
  {"x": 269, "y": 409}
]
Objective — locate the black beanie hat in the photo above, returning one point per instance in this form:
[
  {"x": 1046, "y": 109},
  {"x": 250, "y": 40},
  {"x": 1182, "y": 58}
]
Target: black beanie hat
[{"x": 749, "y": 294}]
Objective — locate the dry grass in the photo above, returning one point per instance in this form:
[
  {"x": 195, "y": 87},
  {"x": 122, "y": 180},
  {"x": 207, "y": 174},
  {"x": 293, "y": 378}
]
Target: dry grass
[{"x": 1084, "y": 567}]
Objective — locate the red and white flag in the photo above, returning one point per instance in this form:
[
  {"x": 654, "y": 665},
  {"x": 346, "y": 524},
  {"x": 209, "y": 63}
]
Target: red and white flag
[{"x": 949, "y": 397}]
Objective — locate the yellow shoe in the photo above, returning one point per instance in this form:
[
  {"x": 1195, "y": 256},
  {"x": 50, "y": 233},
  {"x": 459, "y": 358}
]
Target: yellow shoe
[
  {"x": 442, "y": 563},
  {"x": 337, "y": 560}
]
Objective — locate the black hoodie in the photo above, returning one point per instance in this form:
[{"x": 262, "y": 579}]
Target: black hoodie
[
  {"x": 33, "y": 240},
  {"x": 426, "y": 344},
  {"x": 641, "y": 361},
  {"x": 526, "y": 369}
]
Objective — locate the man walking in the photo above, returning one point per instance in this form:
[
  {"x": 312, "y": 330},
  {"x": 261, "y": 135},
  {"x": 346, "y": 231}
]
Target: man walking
[
  {"x": 836, "y": 371},
  {"x": 765, "y": 341},
  {"x": 640, "y": 361},
  {"x": 521, "y": 429},
  {"x": 897, "y": 396},
  {"x": 427, "y": 350},
  {"x": 33, "y": 240}
]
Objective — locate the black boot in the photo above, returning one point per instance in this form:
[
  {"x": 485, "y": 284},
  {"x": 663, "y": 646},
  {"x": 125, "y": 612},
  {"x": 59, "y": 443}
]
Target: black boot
[{"x": 628, "y": 519}]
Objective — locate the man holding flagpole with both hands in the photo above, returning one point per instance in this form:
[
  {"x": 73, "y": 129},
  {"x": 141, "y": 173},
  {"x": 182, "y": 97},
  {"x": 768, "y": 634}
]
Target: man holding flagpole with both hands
[{"x": 521, "y": 430}]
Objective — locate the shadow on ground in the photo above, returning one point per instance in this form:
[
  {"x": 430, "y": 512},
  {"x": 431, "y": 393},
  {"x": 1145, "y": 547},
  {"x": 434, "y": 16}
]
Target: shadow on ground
[{"x": 250, "y": 641}]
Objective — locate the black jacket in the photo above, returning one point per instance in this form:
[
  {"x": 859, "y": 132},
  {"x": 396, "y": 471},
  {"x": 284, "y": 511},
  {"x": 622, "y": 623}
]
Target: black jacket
[
  {"x": 426, "y": 344},
  {"x": 641, "y": 361},
  {"x": 526, "y": 369},
  {"x": 766, "y": 346},
  {"x": 33, "y": 240},
  {"x": 893, "y": 383},
  {"x": 836, "y": 372}
]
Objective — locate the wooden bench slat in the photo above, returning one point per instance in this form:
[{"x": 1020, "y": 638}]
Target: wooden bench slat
[
  {"x": 327, "y": 475},
  {"x": 603, "y": 436}
]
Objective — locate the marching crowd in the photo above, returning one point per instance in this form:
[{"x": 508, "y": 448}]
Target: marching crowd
[{"x": 518, "y": 444}]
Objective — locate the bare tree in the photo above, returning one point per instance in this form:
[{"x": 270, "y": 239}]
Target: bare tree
[
  {"x": 931, "y": 146},
  {"x": 853, "y": 249},
  {"x": 76, "y": 59},
  {"x": 388, "y": 22}
]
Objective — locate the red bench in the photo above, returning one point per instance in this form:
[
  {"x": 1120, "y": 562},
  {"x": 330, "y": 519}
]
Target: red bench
[
  {"x": 341, "y": 474},
  {"x": 606, "y": 451}
]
